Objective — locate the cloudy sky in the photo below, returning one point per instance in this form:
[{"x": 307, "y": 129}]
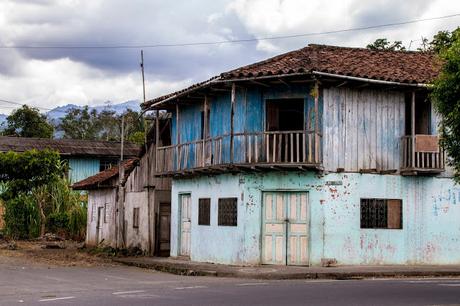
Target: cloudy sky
[{"x": 48, "y": 77}]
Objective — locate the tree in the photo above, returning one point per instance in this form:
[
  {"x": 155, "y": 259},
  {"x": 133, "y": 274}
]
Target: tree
[
  {"x": 80, "y": 124},
  {"x": 28, "y": 122},
  {"x": 109, "y": 125},
  {"x": 446, "y": 95},
  {"x": 443, "y": 40},
  {"x": 106, "y": 125},
  {"x": 384, "y": 44}
]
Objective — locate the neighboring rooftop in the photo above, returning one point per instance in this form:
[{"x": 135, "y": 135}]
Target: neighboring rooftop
[
  {"x": 102, "y": 179},
  {"x": 70, "y": 147},
  {"x": 405, "y": 67}
]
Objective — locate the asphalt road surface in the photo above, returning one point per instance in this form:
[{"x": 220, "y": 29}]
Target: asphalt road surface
[{"x": 22, "y": 284}]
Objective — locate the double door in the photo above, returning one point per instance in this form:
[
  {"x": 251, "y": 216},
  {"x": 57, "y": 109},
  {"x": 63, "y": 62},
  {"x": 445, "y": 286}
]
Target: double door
[{"x": 285, "y": 228}]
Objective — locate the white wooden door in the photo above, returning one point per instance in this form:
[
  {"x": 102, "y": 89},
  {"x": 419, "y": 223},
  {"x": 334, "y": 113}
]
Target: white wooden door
[
  {"x": 285, "y": 228},
  {"x": 185, "y": 225}
]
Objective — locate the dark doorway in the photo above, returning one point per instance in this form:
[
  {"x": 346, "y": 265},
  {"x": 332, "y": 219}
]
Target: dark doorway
[
  {"x": 285, "y": 115},
  {"x": 164, "y": 230},
  {"x": 422, "y": 114},
  {"x": 284, "y": 129}
]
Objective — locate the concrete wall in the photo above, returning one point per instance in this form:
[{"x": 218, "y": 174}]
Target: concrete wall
[
  {"x": 430, "y": 234},
  {"x": 137, "y": 237},
  {"x": 105, "y": 198}
]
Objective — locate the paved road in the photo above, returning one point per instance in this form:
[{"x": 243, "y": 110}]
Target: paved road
[{"x": 39, "y": 285}]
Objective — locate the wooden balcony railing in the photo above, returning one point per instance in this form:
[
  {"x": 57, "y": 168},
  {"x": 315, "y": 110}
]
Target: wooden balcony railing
[
  {"x": 258, "y": 149},
  {"x": 423, "y": 156}
]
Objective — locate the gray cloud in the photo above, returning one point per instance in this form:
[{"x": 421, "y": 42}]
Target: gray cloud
[{"x": 59, "y": 76}]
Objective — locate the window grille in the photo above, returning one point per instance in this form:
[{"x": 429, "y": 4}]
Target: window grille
[
  {"x": 381, "y": 213},
  {"x": 228, "y": 212},
  {"x": 204, "y": 211}
]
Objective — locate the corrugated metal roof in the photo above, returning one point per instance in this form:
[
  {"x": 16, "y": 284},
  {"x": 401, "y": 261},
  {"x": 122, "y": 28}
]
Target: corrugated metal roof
[{"x": 71, "y": 147}]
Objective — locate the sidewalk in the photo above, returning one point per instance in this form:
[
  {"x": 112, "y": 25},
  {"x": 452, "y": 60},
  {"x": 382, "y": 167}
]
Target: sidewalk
[{"x": 184, "y": 267}]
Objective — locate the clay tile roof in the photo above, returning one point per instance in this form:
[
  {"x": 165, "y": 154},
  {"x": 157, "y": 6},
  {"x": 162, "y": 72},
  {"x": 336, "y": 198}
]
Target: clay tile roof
[
  {"x": 69, "y": 146},
  {"x": 95, "y": 181},
  {"x": 406, "y": 67},
  {"x": 396, "y": 66}
]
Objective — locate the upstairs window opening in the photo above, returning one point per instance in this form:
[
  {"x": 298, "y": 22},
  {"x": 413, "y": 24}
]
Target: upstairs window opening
[
  {"x": 285, "y": 115},
  {"x": 422, "y": 114}
]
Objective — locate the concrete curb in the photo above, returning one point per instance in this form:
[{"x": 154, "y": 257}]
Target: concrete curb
[{"x": 235, "y": 272}]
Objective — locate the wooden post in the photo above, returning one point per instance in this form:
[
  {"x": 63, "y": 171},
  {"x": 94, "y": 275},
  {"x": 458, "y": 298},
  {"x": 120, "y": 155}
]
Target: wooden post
[
  {"x": 177, "y": 136},
  {"x": 156, "y": 144},
  {"x": 413, "y": 129},
  {"x": 232, "y": 111},
  {"x": 316, "y": 90},
  {"x": 205, "y": 131}
]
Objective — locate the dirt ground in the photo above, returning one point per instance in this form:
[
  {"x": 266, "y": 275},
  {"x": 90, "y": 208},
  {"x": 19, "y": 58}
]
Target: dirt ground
[{"x": 72, "y": 254}]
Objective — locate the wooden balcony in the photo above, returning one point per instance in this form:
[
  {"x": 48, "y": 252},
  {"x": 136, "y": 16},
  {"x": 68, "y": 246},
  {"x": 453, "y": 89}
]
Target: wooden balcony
[
  {"x": 242, "y": 152},
  {"x": 421, "y": 154}
]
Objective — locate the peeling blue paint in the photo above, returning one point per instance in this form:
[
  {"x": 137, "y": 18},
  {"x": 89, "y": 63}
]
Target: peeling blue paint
[{"x": 426, "y": 237}]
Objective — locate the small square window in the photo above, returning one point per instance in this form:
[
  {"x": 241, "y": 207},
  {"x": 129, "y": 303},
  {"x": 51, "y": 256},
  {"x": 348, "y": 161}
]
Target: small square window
[
  {"x": 381, "y": 213},
  {"x": 204, "y": 211},
  {"x": 136, "y": 217},
  {"x": 228, "y": 212}
]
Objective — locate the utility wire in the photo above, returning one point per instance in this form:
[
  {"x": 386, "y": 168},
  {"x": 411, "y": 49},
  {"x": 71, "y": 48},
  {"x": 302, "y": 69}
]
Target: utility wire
[
  {"x": 21, "y": 104},
  {"x": 127, "y": 46}
]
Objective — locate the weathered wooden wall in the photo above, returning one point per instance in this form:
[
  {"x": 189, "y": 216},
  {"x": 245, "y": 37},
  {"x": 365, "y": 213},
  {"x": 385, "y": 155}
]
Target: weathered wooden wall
[
  {"x": 143, "y": 176},
  {"x": 362, "y": 129},
  {"x": 144, "y": 191},
  {"x": 106, "y": 199}
]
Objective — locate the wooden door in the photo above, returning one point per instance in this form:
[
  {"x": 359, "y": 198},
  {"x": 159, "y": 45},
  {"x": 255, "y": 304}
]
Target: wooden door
[
  {"x": 164, "y": 229},
  {"x": 297, "y": 235},
  {"x": 99, "y": 224},
  {"x": 185, "y": 224},
  {"x": 285, "y": 228}
]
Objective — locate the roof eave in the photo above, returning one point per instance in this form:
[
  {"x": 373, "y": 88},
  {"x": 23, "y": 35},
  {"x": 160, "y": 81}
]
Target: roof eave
[
  {"x": 271, "y": 76},
  {"x": 372, "y": 81}
]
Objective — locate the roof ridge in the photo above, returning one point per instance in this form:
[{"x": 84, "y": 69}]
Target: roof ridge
[{"x": 324, "y": 46}]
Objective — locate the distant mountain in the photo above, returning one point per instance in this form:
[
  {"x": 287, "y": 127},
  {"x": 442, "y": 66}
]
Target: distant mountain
[{"x": 56, "y": 114}]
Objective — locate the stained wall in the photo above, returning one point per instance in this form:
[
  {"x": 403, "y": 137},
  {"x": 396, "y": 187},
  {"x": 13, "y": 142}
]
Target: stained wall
[{"x": 430, "y": 233}]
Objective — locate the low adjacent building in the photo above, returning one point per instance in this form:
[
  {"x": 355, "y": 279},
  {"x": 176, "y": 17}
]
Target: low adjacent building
[
  {"x": 130, "y": 207},
  {"x": 85, "y": 157}
]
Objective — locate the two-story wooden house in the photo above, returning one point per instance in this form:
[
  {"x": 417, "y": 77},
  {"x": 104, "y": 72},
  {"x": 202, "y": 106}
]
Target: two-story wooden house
[{"x": 322, "y": 152}]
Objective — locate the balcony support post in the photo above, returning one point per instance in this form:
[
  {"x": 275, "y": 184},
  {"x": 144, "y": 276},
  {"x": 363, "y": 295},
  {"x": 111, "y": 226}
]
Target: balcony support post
[
  {"x": 232, "y": 111},
  {"x": 413, "y": 163},
  {"x": 316, "y": 91},
  {"x": 177, "y": 136}
]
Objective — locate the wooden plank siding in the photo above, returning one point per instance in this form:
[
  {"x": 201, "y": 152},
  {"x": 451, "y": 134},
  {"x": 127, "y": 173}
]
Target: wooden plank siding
[
  {"x": 362, "y": 129},
  {"x": 143, "y": 176}
]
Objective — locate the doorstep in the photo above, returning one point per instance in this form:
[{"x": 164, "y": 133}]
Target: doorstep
[{"x": 269, "y": 272}]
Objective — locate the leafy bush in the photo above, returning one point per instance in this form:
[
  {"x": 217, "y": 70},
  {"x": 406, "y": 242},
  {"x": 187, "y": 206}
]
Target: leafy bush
[
  {"x": 38, "y": 198},
  {"x": 22, "y": 218}
]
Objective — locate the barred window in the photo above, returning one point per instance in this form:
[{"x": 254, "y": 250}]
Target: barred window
[
  {"x": 228, "y": 212},
  {"x": 204, "y": 211},
  {"x": 136, "y": 217},
  {"x": 381, "y": 213}
]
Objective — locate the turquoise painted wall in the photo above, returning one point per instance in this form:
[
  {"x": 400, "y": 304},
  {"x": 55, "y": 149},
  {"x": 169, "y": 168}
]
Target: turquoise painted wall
[
  {"x": 249, "y": 116},
  {"x": 249, "y": 111},
  {"x": 430, "y": 234},
  {"x": 81, "y": 168}
]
